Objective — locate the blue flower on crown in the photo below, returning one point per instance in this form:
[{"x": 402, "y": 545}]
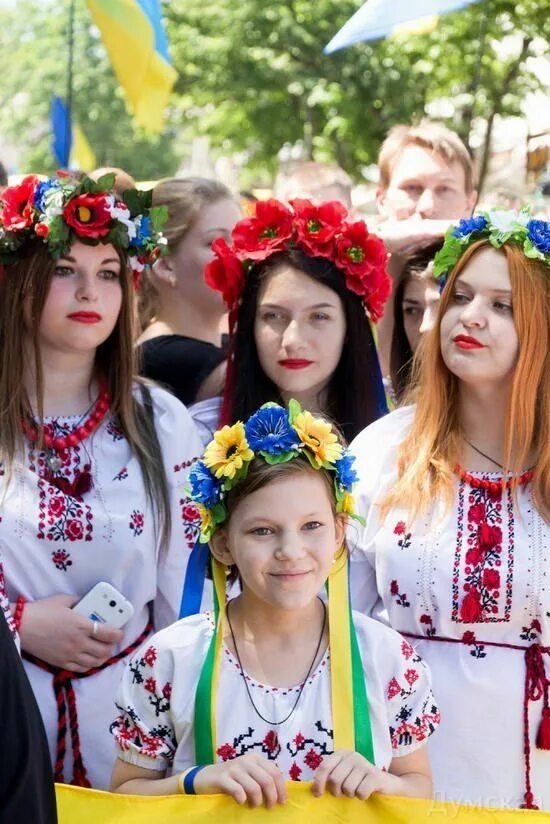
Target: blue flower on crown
[
  {"x": 346, "y": 475},
  {"x": 269, "y": 430},
  {"x": 41, "y": 191},
  {"x": 206, "y": 489},
  {"x": 144, "y": 231},
  {"x": 466, "y": 227},
  {"x": 539, "y": 235}
]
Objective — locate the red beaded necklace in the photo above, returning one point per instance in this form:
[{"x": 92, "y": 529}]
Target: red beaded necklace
[
  {"x": 54, "y": 445},
  {"x": 493, "y": 486}
]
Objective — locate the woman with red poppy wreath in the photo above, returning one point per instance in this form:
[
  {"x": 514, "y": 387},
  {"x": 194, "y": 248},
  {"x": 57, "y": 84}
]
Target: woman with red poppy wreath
[
  {"x": 455, "y": 490},
  {"x": 93, "y": 464},
  {"x": 303, "y": 285}
]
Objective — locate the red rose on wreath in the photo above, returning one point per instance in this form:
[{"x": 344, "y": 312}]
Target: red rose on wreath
[
  {"x": 42, "y": 230},
  {"x": 470, "y": 609},
  {"x": 258, "y": 237},
  {"x": 316, "y": 226},
  {"x": 74, "y": 530},
  {"x": 271, "y": 741},
  {"x": 491, "y": 578},
  {"x": 225, "y": 273},
  {"x": 88, "y": 215},
  {"x": 489, "y": 536},
  {"x": 18, "y": 204},
  {"x": 57, "y": 506},
  {"x": 476, "y": 513}
]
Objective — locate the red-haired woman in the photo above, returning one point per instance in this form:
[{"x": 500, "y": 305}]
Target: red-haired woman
[
  {"x": 93, "y": 465},
  {"x": 456, "y": 493}
]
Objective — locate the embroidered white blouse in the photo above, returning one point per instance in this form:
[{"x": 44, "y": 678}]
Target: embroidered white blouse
[
  {"x": 478, "y": 575},
  {"x": 53, "y": 543},
  {"x": 157, "y": 697}
]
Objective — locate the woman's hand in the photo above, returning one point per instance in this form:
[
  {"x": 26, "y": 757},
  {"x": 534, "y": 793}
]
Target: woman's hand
[
  {"x": 52, "y": 631},
  {"x": 349, "y": 773},
  {"x": 249, "y": 778}
]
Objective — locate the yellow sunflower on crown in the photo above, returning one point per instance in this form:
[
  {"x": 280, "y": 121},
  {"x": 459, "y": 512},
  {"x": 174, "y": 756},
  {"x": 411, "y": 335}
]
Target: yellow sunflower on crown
[{"x": 228, "y": 452}]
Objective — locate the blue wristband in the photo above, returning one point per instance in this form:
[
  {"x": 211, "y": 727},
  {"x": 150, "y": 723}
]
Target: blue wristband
[{"x": 189, "y": 781}]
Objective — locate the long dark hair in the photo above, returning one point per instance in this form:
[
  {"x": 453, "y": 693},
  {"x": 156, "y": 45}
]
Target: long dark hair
[
  {"x": 30, "y": 277},
  {"x": 355, "y": 392},
  {"x": 401, "y": 354}
]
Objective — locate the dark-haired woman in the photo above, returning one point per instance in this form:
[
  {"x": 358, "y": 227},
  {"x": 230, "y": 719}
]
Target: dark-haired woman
[
  {"x": 93, "y": 464},
  {"x": 415, "y": 302},
  {"x": 304, "y": 286}
]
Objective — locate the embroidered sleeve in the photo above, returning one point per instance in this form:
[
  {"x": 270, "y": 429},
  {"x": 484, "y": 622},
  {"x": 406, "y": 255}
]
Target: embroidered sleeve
[
  {"x": 5, "y": 607},
  {"x": 412, "y": 712},
  {"x": 181, "y": 446},
  {"x": 143, "y": 731}
]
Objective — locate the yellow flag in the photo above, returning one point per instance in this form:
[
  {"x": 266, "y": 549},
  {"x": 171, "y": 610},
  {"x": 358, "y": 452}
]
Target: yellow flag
[
  {"x": 82, "y": 155},
  {"x": 78, "y": 806}
]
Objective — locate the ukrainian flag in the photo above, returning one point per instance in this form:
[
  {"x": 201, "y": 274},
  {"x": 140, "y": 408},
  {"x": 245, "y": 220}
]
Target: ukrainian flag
[{"x": 134, "y": 36}]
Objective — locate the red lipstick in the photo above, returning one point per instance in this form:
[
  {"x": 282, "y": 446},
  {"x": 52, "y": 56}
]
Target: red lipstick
[
  {"x": 467, "y": 342},
  {"x": 295, "y": 363},
  {"x": 85, "y": 317}
]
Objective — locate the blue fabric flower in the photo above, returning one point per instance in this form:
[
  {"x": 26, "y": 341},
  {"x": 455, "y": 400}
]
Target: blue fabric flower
[
  {"x": 466, "y": 227},
  {"x": 144, "y": 231},
  {"x": 269, "y": 430},
  {"x": 41, "y": 191},
  {"x": 205, "y": 487},
  {"x": 539, "y": 235},
  {"x": 346, "y": 475}
]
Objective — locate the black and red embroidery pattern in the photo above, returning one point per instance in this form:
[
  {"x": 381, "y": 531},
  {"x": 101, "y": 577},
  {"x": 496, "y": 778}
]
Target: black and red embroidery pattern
[
  {"x": 404, "y": 536},
  {"x": 400, "y": 597},
  {"x": 137, "y": 521},
  {"x": 483, "y": 564},
  {"x": 191, "y": 520}
]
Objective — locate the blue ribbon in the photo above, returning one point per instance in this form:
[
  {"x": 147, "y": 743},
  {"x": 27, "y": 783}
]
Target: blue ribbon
[{"x": 194, "y": 580}]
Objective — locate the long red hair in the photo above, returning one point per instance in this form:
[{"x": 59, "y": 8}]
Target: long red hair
[{"x": 432, "y": 447}]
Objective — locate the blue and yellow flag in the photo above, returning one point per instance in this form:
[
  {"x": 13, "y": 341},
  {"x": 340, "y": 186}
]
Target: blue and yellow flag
[{"x": 134, "y": 36}]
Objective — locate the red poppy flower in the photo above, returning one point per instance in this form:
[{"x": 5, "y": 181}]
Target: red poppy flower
[
  {"x": 470, "y": 609},
  {"x": 225, "y": 273},
  {"x": 363, "y": 257},
  {"x": 258, "y": 237},
  {"x": 316, "y": 226},
  {"x": 18, "y": 204},
  {"x": 88, "y": 215}
]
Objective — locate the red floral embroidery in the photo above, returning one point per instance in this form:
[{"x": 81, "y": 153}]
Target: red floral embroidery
[
  {"x": 427, "y": 621},
  {"x": 226, "y": 752},
  {"x": 312, "y": 759},
  {"x": 295, "y": 772},
  {"x": 482, "y": 571},
  {"x": 406, "y": 650},
  {"x": 393, "y": 688},
  {"x": 400, "y": 597},
  {"x": 137, "y": 521},
  {"x": 191, "y": 522},
  {"x": 271, "y": 741},
  {"x": 150, "y": 656},
  {"x": 62, "y": 559},
  {"x": 411, "y": 676},
  {"x": 150, "y": 685},
  {"x": 298, "y": 739},
  {"x": 400, "y": 529}
]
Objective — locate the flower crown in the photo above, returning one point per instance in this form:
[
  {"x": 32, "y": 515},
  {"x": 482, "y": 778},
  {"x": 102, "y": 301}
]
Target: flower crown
[
  {"x": 63, "y": 209},
  {"x": 498, "y": 226},
  {"x": 277, "y": 435},
  {"x": 319, "y": 231}
]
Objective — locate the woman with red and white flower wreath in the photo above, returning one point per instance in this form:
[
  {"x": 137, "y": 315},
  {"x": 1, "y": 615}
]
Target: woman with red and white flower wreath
[
  {"x": 455, "y": 490},
  {"x": 93, "y": 465},
  {"x": 303, "y": 285}
]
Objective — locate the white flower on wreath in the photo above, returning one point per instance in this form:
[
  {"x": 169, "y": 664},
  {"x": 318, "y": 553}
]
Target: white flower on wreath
[
  {"x": 506, "y": 220},
  {"x": 120, "y": 212},
  {"x": 53, "y": 203}
]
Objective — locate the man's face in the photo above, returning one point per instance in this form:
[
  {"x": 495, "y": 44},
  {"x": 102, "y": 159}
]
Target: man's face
[{"x": 425, "y": 184}]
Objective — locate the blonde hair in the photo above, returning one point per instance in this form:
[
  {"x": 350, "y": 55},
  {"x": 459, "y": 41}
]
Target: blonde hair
[
  {"x": 184, "y": 198},
  {"x": 433, "y": 136},
  {"x": 430, "y": 451}
]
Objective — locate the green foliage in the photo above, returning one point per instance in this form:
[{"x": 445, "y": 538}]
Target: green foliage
[{"x": 252, "y": 75}]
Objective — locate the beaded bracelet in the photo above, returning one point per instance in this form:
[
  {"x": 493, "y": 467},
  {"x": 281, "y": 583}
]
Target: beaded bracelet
[
  {"x": 186, "y": 781},
  {"x": 18, "y": 612}
]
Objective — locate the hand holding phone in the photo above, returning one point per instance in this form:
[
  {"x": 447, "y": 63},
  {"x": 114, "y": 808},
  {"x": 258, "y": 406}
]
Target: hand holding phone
[{"x": 106, "y": 605}]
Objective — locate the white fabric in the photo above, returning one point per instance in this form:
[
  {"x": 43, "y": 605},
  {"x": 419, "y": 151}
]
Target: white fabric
[
  {"x": 206, "y": 416},
  {"x": 157, "y": 697},
  {"x": 413, "y": 576},
  {"x": 53, "y": 543}
]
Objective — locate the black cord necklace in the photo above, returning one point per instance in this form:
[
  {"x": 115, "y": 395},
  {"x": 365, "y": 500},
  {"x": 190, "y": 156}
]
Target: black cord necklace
[
  {"x": 256, "y": 710},
  {"x": 483, "y": 454}
]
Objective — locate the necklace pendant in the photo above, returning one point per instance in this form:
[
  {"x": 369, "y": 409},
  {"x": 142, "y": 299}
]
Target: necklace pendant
[{"x": 53, "y": 462}]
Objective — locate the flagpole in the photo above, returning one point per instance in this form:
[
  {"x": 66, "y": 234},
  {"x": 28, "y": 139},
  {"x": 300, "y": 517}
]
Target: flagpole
[{"x": 69, "y": 100}]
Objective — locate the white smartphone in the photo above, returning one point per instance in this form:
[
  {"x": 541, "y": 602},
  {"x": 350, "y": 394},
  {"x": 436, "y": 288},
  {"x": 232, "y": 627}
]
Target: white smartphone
[{"x": 105, "y": 604}]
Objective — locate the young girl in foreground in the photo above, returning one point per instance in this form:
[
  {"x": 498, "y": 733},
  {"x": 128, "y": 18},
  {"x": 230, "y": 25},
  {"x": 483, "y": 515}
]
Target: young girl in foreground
[{"x": 276, "y": 664}]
